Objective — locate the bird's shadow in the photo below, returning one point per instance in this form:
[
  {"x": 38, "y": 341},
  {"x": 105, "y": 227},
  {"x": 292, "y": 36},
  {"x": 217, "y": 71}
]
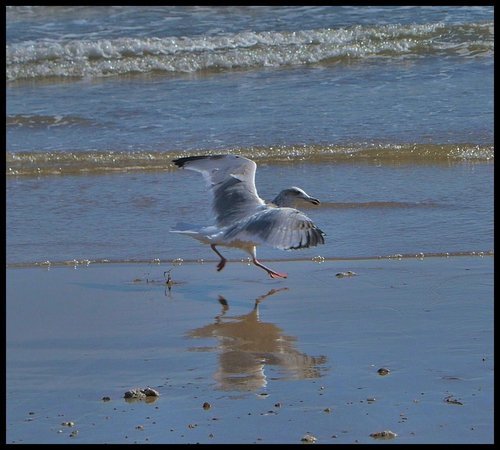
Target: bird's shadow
[{"x": 247, "y": 346}]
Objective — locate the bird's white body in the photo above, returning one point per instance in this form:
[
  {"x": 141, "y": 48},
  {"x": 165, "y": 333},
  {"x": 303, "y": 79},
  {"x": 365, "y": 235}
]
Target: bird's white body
[{"x": 244, "y": 220}]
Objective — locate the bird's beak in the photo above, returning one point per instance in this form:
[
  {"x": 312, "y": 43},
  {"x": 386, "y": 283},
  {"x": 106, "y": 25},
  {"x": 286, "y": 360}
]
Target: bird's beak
[{"x": 312, "y": 200}]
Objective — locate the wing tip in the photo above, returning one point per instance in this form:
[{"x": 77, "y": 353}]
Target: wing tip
[
  {"x": 315, "y": 236},
  {"x": 181, "y": 162}
]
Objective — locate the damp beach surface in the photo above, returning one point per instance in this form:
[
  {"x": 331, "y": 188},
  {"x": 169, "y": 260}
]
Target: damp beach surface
[
  {"x": 382, "y": 335},
  {"x": 400, "y": 350}
]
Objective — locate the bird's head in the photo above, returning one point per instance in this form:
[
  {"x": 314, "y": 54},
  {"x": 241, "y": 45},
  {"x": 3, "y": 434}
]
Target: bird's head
[{"x": 292, "y": 196}]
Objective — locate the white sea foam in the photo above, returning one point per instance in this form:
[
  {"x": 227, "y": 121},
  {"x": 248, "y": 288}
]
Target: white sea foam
[
  {"x": 125, "y": 55},
  {"x": 71, "y": 162}
]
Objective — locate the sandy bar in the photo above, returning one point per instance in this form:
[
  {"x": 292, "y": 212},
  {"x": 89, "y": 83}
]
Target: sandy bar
[{"x": 272, "y": 360}]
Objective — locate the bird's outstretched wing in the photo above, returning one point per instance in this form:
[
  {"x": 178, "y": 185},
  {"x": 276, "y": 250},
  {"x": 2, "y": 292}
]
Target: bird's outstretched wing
[
  {"x": 283, "y": 228},
  {"x": 231, "y": 180}
]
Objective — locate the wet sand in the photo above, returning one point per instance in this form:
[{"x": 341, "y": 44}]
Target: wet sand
[{"x": 239, "y": 358}]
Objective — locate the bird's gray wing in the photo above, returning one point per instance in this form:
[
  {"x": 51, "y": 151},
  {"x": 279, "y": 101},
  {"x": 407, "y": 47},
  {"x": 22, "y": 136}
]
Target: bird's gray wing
[
  {"x": 231, "y": 180},
  {"x": 283, "y": 228}
]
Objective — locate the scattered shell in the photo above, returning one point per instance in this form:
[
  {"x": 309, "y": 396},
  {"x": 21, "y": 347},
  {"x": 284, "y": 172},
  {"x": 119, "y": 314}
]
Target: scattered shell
[
  {"x": 387, "y": 434},
  {"x": 68, "y": 424},
  {"x": 327, "y": 410},
  {"x": 383, "y": 371},
  {"x": 207, "y": 405},
  {"x": 309, "y": 439},
  {"x": 106, "y": 399},
  {"x": 73, "y": 433},
  {"x": 150, "y": 392},
  {"x": 349, "y": 273},
  {"x": 318, "y": 259},
  {"x": 141, "y": 393},
  {"x": 134, "y": 393}
]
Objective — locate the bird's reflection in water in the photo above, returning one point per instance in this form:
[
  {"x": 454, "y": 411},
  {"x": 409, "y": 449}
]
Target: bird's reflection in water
[{"x": 246, "y": 345}]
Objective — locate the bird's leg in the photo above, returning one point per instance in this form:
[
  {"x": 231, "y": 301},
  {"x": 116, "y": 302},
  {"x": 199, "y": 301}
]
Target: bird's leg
[
  {"x": 223, "y": 260},
  {"x": 271, "y": 272}
]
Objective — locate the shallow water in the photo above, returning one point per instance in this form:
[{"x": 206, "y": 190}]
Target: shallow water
[
  {"x": 383, "y": 113},
  {"x": 366, "y": 210}
]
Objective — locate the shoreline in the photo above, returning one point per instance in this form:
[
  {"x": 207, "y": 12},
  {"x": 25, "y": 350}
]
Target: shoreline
[{"x": 315, "y": 259}]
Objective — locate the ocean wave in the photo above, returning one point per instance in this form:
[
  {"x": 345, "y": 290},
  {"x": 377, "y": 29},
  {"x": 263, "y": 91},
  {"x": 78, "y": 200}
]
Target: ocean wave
[
  {"x": 96, "y": 162},
  {"x": 79, "y": 58}
]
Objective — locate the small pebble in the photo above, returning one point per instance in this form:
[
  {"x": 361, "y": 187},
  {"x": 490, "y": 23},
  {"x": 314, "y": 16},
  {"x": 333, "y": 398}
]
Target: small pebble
[
  {"x": 452, "y": 400},
  {"x": 387, "y": 434},
  {"x": 383, "y": 371},
  {"x": 346, "y": 274},
  {"x": 309, "y": 438},
  {"x": 206, "y": 405}
]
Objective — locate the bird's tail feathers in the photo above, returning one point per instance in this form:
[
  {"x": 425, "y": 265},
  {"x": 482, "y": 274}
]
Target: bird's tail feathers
[{"x": 202, "y": 234}]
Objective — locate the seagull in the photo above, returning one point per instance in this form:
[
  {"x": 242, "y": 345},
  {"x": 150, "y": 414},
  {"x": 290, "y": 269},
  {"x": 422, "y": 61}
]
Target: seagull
[{"x": 244, "y": 220}]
